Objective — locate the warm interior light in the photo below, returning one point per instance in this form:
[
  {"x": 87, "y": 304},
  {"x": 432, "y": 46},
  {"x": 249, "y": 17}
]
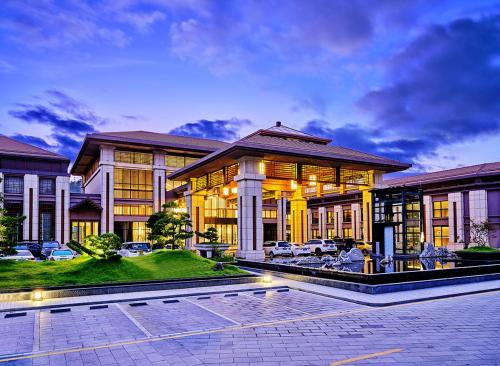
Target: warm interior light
[
  {"x": 267, "y": 279},
  {"x": 293, "y": 185},
  {"x": 234, "y": 190},
  {"x": 37, "y": 295},
  {"x": 225, "y": 191},
  {"x": 312, "y": 180}
]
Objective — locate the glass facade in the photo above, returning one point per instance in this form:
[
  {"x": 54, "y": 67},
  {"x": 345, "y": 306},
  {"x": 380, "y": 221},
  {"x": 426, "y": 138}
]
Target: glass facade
[
  {"x": 177, "y": 161},
  {"x": 133, "y": 157},
  {"x": 81, "y": 229},
  {"x": 13, "y": 184},
  {"x": 133, "y": 183},
  {"x": 47, "y": 186},
  {"x": 133, "y": 210},
  {"x": 227, "y": 234}
]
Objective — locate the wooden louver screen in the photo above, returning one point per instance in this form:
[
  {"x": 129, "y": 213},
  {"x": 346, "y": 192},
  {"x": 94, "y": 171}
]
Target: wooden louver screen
[
  {"x": 280, "y": 170},
  {"x": 216, "y": 178},
  {"x": 230, "y": 172},
  {"x": 352, "y": 176}
]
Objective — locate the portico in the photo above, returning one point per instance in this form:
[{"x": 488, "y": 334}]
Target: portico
[{"x": 268, "y": 177}]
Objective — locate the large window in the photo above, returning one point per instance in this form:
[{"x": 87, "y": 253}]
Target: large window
[
  {"x": 347, "y": 215},
  {"x": 329, "y": 217},
  {"x": 172, "y": 184},
  {"x": 13, "y": 184},
  {"x": 47, "y": 186},
  {"x": 133, "y": 157},
  {"x": 441, "y": 235},
  {"x": 81, "y": 229},
  {"x": 330, "y": 233},
  {"x": 347, "y": 232},
  {"x": 175, "y": 161},
  {"x": 315, "y": 234},
  {"x": 269, "y": 214},
  {"x": 130, "y": 183},
  {"x": 133, "y": 210},
  {"x": 440, "y": 209}
]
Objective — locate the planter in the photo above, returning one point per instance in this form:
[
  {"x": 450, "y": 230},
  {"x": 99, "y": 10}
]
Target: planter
[
  {"x": 207, "y": 250},
  {"x": 478, "y": 256}
]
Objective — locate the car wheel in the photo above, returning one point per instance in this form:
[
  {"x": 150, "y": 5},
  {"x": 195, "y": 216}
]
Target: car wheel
[
  {"x": 271, "y": 255},
  {"x": 318, "y": 252}
]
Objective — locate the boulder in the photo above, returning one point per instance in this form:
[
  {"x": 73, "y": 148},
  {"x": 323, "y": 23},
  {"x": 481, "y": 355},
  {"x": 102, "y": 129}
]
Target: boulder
[
  {"x": 428, "y": 251},
  {"x": 356, "y": 255}
]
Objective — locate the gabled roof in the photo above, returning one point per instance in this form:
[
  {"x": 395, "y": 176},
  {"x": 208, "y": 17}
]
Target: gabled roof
[
  {"x": 279, "y": 130},
  {"x": 446, "y": 175},
  {"x": 11, "y": 147},
  {"x": 305, "y": 150}
]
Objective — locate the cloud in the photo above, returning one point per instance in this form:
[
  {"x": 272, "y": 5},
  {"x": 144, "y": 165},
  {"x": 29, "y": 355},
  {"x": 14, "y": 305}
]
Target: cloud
[
  {"x": 53, "y": 24},
  {"x": 444, "y": 86},
  {"x": 225, "y": 130},
  {"x": 68, "y": 118},
  {"x": 5, "y": 67}
]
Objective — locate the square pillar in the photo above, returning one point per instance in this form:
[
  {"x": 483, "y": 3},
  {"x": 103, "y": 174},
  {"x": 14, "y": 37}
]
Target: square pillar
[
  {"x": 309, "y": 224},
  {"x": 356, "y": 221},
  {"x": 62, "y": 210},
  {"x": 338, "y": 215},
  {"x": 428, "y": 219},
  {"x": 107, "y": 166},
  {"x": 455, "y": 220},
  {"x": 322, "y": 222},
  {"x": 30, "y": 207},
  {"x": 159, "y": 172},
  {"x": 478, "y": 206},
  {"x": 298, "y": 216},
  {"x": 281, "y": 218},
  {"x": 250, "y": 226}
]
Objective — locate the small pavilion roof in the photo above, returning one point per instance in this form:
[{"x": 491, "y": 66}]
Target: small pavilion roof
[{"x": 10, "y": 146}]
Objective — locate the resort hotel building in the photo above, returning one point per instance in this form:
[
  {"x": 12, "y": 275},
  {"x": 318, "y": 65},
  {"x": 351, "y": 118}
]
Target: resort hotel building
[{"x": 274, "y": 184}]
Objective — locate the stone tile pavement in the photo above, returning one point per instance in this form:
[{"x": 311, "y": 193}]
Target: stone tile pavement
[{"x": 453, "y": 331}]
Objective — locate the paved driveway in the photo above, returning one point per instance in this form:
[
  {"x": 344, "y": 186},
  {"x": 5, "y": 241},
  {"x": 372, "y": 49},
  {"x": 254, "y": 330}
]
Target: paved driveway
[{"x": 259, "y": 328}]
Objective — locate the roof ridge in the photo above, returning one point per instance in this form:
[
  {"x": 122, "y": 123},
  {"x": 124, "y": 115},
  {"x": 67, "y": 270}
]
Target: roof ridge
[{"x": 158, "y": 133}]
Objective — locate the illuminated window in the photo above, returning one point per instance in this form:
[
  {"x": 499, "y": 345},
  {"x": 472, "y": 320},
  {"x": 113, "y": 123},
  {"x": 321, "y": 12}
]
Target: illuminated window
[
  {"x": 269, "y": 214},
  {"x": 133, "y": 157},
  {"x": 130, "y": 183},
  {"x": 133, "y": 210},
  {"x": 329, "y": 217},
  {"x": 139, "y": 231},
  {"x": 175, "y": 161},
  {"x": 440, "y": 209},
  {"x": 330, "y": 233},
  {"x": 14, "y": 184},
  {"x": 172, "y": 184},
  {"x": 315, "y": 234},
  {"x": 347, "y": 215},
  {"x": 441, "y": 236},
  {"x": 315, "y": 217},
  {"x": 81, "y": 229},
  {"x": 347, "y": 232}
]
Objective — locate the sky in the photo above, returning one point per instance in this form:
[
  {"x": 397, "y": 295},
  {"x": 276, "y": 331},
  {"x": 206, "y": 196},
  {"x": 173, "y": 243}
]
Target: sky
[{"x": 417, "y": 81}]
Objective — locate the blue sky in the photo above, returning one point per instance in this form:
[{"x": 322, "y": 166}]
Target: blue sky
[{"x": 418, "y": 81}]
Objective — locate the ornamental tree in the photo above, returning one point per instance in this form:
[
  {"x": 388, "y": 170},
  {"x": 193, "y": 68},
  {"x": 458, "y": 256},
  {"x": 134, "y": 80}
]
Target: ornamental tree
[{"x": 170, "y": 227}]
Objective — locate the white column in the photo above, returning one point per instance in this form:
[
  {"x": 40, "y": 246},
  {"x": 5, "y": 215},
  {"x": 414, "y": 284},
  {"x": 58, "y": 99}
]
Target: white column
[
  {"x": 455, "y": 198},
  {"x": 309, "y": 224},
  {"x": 107, "y": 163},
  {"x": 62, "y": 210},
  {"x": 338, "y": 218},
  {"x": 281, "y": 218},
  {"x": 428, "y": 219},
  {"x": 356, "y": 221},
  {"x": 30, "y": 185},
  {"x": 478, "y": 206},
  {"x": 250, "y": 227},
  {"x": 322, "y": 222},
  {"x": 159, "y": 170}
]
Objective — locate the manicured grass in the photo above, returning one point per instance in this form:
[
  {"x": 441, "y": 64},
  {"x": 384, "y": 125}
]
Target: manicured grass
[
  {"x": 84, "y": 270},
  {"x": 481, "y": 249}
]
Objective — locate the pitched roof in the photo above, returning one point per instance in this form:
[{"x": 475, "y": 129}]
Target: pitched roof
[
  {"x": 449, "y": 174},
  {"x": 262, "y": 143},
  {"x": 160, "y": 139},
  {"x": 9, "y": 146}
]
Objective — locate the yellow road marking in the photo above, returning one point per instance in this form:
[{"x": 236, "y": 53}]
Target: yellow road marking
[
  {"x": 228, "y": 329},
  {"x": 365, "y": 357}
]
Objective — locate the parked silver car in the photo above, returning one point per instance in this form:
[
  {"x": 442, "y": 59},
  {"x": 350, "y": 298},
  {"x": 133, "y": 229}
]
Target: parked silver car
[
  {"x": 61, "y": 255},
  {"x": 134, "y": 249},
  {"x": 21, "y": 255}
]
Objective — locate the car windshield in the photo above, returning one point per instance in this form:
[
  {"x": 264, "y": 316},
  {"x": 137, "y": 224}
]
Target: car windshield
[
  {"x": 23, "y": 253},
  {"x": 329, "y": 242},
  {"x": 21, "y": 247},
  {"x": 283, "y": 244},
  {"x": 62, "y": 252},
  {"x": 138, "y": 246},
  {"x": 50, "y": 245}
]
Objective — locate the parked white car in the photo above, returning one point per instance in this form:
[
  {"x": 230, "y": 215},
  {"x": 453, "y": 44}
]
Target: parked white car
[
  {"x": 61, "y": 255},
  {"x": 21, "y": 255},
  {"x": 321, "y": 246},
  {"x": 300, "y": 249},
  {"x": 275, "y": 248},
  {"x": 134, "y": 249}
]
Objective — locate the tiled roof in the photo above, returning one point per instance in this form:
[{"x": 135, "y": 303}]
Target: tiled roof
[
  {"x": 445, "y": 175},
  {"x": 159, "y": 138},
  {"x": 9, "y": 146},
  {"x": 296, "y": 147}
]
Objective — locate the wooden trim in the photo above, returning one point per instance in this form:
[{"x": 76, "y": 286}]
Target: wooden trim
[{"x": 62, "y": 216}]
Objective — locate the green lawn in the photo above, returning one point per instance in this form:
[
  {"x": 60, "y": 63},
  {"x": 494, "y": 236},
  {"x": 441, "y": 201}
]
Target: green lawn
[
  {"x": 481, "y": 249},
  {"x": 160, "y": 265}
]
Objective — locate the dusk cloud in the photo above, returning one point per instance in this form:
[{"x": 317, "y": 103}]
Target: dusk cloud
[
  {"x": 69, "y": 121},
  {"x": 225, "y": 130}
]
